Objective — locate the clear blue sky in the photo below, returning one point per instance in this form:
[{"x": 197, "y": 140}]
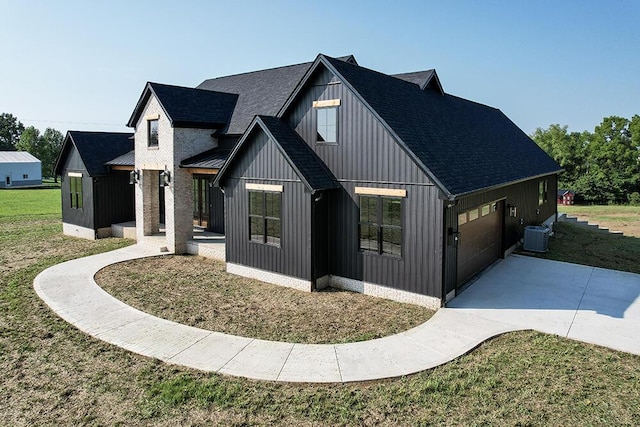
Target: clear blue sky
[{"x": 83, "y": 64}]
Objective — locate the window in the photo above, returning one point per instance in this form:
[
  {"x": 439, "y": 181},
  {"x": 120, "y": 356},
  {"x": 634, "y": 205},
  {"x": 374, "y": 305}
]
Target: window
[
  {"x": 381, "y": 224},
  {"x": 473, "y": 215},
  {"x": 264, "y": 217},
  {"x": 462, "y": 218},
  {"x": 25, "y": 176},
  {"x": 75, "y": 190},
  {"x": 542, "y": 192},
  {"x": 327, "y": 119},
  {"x": 152, "y": 133},
  {"x": 486, "y": 209}
]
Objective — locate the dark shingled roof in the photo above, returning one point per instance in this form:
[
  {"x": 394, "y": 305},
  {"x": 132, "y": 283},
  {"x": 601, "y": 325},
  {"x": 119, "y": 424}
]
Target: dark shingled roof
[
  {"x": 260, "y": 92},
  {"x": 308, "y": 166},
  {"x": 210, "y": 159},
  {"x": 95, "y": 149},
  {"x": 463, "y": 145},
  {"x": 420, "y": 78},
  {"x": 188, "y": 107},
  {"x": 127, "y": 159}
]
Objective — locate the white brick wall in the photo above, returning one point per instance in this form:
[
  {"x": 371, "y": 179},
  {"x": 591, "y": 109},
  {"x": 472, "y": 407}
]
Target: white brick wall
[
  {"x": 384, "y": 292},
  {"x": 269, "y": 277},
  {"x": 174, "y": 145}
]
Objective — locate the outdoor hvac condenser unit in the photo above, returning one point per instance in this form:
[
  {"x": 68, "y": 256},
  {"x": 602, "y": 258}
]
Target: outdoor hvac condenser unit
[{"x": 536, "y": 238}]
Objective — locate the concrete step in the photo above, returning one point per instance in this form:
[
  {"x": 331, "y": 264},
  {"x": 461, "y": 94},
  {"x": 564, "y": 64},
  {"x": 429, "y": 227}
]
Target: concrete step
[{"x": 563, "y": 217}]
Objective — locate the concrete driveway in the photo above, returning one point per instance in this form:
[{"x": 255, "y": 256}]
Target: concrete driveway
[{"x": 588, "y": 304}]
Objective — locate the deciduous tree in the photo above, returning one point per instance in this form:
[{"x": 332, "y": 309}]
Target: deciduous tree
[{"x": 10, "y": 130}]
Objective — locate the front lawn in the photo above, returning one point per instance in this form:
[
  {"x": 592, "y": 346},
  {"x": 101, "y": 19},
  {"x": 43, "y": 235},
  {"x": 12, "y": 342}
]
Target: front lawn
[
  {"x": 53, "y": 374},
  {"x": 199, "y": 292}
]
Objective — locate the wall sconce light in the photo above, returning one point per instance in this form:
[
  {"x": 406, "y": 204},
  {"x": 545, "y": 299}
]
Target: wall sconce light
[
  {"x": 134, "y": 177},
  {"x": 513, "y": 212},
  {"x": 165, "y": 178}
]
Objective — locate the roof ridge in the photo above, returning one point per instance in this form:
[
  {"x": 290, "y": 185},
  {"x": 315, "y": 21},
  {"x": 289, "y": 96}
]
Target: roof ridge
[{"x": 257, "y": 71}]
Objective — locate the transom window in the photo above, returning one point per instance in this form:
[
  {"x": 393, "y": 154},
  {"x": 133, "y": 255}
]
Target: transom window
[
  {"x": 381, "y": 224},
  {"x": 327, "y": 128},
  {"x": 265, "y": 217},
  {"x": 152, "y": 133},
  {"x": 75, "y": 190}
]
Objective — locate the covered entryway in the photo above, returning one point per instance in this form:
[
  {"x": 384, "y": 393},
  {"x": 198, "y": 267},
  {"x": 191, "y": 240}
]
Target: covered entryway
[{"x": 480, "y": 239}]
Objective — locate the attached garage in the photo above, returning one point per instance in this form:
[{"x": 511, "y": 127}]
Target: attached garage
[{"x": 479, "y": 239}]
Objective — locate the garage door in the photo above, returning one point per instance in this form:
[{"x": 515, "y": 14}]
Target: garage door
[{"x": 480, "y": 239}]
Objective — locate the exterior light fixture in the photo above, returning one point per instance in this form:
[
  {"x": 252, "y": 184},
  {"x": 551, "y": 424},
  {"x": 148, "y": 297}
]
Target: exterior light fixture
[
  {"x": 165, "y": 178},
  {"x": 134, "y": 177}
]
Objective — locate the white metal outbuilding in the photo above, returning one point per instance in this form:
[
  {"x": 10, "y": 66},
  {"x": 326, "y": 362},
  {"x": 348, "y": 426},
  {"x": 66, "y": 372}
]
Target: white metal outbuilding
[{"x": 19, "y": 169}]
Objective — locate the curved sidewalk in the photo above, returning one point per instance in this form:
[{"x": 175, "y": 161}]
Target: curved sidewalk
[{"x": 70, "y": 290}]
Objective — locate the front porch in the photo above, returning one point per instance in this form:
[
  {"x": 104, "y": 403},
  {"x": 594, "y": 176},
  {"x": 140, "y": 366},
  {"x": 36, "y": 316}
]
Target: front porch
[{"x": 203, "y": 243}]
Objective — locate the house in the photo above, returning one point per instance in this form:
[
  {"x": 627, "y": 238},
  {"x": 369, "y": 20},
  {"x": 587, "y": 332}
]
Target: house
[
  {"x": 565, "y": 197},
  {"x": 327, "y": 173},
  {"x": 19, "y": 169},
  {"x": 94, "y": 169},
  {"x": 381, "y": 184}
]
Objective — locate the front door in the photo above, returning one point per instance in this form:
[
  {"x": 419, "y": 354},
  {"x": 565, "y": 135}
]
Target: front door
[
  {"x": 201, "y": 201},
  {"x": 7, "y": 181}
]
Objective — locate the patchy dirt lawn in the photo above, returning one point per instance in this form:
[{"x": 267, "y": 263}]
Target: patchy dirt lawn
[{"x": 199, "y": 292}]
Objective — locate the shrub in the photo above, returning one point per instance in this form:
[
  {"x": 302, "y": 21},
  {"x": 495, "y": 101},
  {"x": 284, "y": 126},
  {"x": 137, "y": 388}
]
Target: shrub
[{"x": 634, "y": 199}]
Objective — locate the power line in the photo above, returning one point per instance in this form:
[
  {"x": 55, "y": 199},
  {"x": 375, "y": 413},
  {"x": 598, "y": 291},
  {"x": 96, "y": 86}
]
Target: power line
[{"x": 72, "y": 123}]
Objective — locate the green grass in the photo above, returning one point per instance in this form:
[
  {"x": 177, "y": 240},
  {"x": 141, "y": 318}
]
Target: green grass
[
  {"x": 29, "y": 202},
  {"x": 53, "y": 374},
  {"x": 581, "y": 245},
  {"x": 621, "y": 218}
]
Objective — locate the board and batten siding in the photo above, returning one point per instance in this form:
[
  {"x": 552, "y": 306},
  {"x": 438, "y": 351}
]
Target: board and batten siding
[
  {"x": 418, "y": 270},
  {"x": 262, "y": 163},
  {"x": 367, "y": 155},
  {"x": 216, "y": 210},
  {"x": 83, "y": 217},
  {"x": 523, "y": 195},
  {"x": 114, "y": 199},
  {"x": 365, "y": 150}
]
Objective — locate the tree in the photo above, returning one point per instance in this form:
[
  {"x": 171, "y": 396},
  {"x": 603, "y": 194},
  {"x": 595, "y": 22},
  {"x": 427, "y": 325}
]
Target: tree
[
  {"x": 51, "y": 144},
  {"x": 45, "y": 147},
  {"x": 614, "y": 164},
  {"x": 10, "y": 130},
  {"x": 568, "y": 149}
]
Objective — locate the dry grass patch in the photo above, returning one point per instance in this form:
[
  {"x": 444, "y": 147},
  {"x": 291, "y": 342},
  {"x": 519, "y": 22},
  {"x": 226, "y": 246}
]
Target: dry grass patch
[{"x": 199, "y": 292}]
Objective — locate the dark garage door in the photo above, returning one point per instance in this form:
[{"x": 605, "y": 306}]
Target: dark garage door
[{"x": 480, "y": 239}]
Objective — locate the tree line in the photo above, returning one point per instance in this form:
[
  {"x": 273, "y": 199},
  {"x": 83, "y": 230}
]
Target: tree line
[
  {"x": 46, "y": 146},
  {"x": 603, "y": 166}
]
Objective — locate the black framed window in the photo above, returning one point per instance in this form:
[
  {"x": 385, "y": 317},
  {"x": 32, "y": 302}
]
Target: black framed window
[
  {"x": 381, "y": 224},
  {"x": 75, "y": 190},
  {"x": 152, "y": 133},
  {"x": 542, "y": 192},
  {"x": 327, "y": 124},
  {"x": 265, "y": 217}
]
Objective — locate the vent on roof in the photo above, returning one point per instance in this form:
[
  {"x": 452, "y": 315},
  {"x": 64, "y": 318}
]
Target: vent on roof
[{"x": 536, "y": 238}]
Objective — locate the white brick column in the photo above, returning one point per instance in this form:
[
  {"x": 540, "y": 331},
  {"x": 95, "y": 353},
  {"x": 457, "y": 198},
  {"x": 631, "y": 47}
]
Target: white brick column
[
  {"x": 147, "y": 204},
  {"x": 179, "y": 211}
]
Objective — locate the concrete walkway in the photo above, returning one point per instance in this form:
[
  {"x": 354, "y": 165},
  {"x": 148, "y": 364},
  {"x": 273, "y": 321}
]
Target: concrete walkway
[{"x": 575, "y": 301}]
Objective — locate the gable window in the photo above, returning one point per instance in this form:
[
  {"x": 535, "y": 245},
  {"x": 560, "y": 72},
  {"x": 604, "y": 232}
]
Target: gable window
[
  {"x": 152, "y": 133},
  {"x": 381, "y": 224},
  {"x": 327, "y": 120},
  {"x": 25, "y": 176},
  {"x": 542, "y": 192},
  {"x": 75, "y": 191},
  {"x": 265, "y": 217}
]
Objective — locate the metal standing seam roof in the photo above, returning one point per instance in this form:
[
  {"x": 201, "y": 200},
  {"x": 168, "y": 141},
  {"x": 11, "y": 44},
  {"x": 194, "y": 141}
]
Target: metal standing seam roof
[
  {"x": 17, "y": 157},
  {"x": 127, "y": 159},
  {"x": 210, "y": 159},
  {"x": 95, "y": 149}
]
